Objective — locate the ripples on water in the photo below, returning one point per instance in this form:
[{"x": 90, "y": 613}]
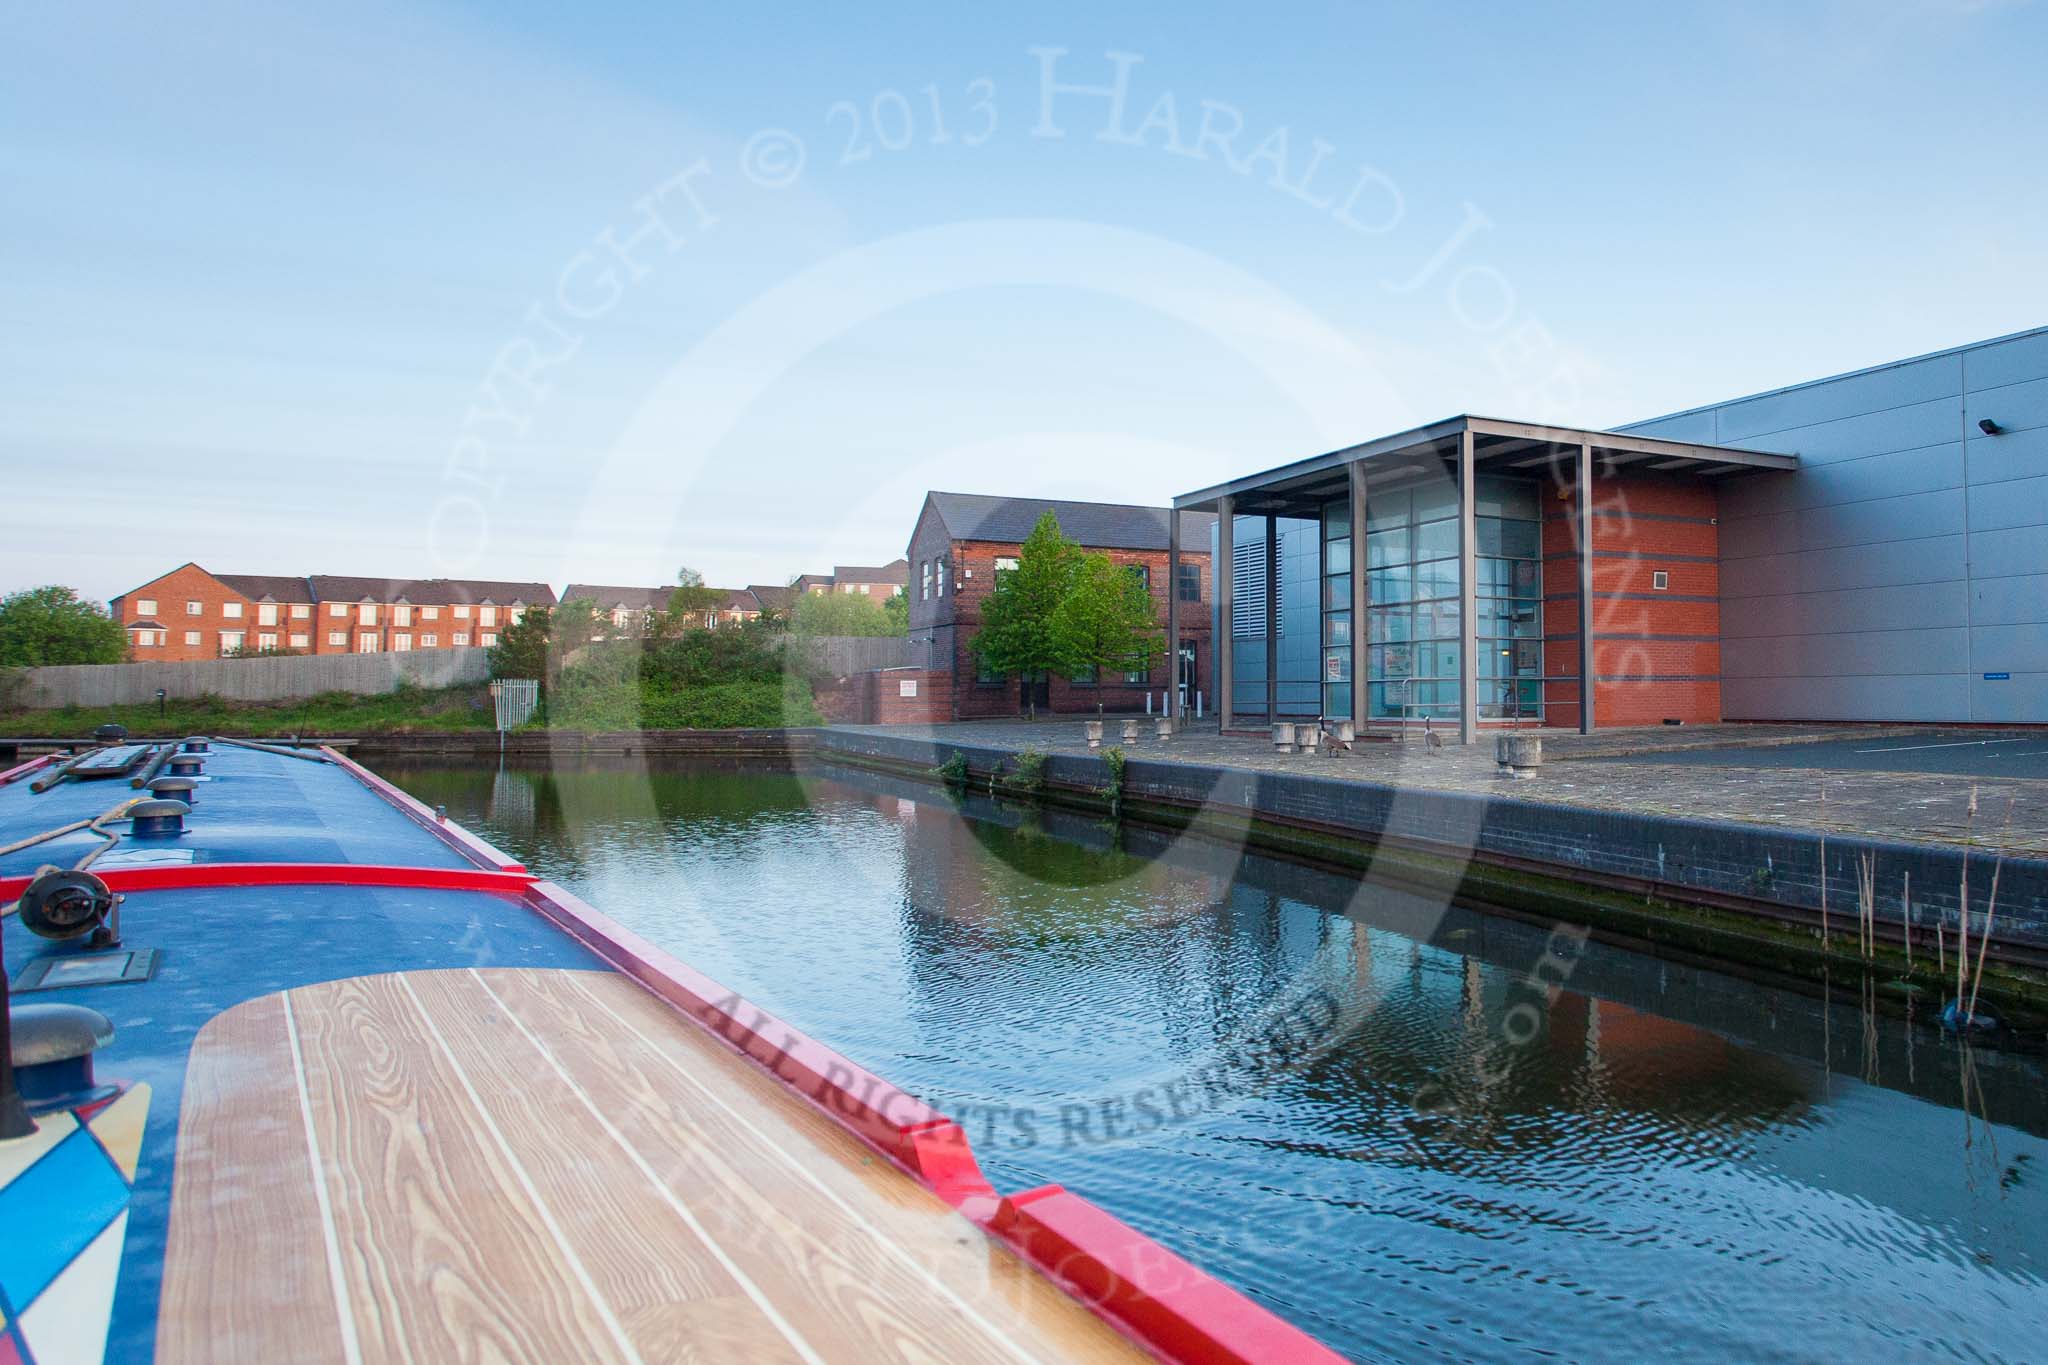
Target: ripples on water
[{"x": 1655, "y": 1160}]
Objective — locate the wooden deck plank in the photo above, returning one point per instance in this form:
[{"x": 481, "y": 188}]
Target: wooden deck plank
[
  {"x": 247, "y": 1275},
  {"x": 999, "y": 1286},
  {"x": 445, "y": 1255},
  {"x": 552, "y": 1165}
]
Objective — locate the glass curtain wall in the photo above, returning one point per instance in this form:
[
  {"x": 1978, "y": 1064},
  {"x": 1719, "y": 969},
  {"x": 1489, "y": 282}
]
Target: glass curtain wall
[{"x": 1412, "y": 629}]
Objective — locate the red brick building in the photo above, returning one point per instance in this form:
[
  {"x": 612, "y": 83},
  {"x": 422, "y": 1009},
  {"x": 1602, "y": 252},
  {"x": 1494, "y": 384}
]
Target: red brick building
[
  {"x": 963, "y": 540},
  {"x": 190, "y": 613}
]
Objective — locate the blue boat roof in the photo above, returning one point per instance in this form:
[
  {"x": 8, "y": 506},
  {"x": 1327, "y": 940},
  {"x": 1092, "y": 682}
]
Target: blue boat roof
[
  {"x": 217, "y": 946},
  {"x": 251, "y": 807}
]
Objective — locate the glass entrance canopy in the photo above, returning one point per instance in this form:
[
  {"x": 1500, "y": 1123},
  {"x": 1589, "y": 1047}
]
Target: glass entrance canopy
[{"x": 1436, "y": 613}]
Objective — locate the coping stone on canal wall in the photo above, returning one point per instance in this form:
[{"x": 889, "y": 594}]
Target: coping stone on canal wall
[{"x": 1762, "y": 863}]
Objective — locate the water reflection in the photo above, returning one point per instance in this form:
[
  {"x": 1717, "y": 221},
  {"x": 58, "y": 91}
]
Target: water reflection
[{"x": 1519, "y": 1143}]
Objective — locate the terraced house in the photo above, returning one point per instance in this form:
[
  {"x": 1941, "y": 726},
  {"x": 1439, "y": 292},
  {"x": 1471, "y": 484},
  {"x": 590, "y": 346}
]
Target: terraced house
[{"x": 191, "y": 613}]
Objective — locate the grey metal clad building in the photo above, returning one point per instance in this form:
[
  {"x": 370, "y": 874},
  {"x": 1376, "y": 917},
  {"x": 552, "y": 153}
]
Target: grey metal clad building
[{"x": 1901, "y": 572}]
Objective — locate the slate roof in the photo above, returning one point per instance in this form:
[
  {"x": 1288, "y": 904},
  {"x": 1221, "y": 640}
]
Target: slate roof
[
  {"x": 277, "y": 587},
  {"x": 637, "y": 599},
  {"x": 1095, "y": 525},
  {"x": 897, "y": 573},
  {"x": 430, "y": 591},
  {"x": 772, "y": 598}
]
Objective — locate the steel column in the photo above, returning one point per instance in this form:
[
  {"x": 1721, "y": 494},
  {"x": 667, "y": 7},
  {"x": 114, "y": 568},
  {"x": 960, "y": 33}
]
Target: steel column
[
  {"x": 1584, "y": 527},
  {"x": 1359, "y": 654},
  {"x": 1225, "y": 570},
  {"x": 1468, "y": 598},
  {"x": 1173, "y": 707},
  {"x": 1272, "y": 618}
]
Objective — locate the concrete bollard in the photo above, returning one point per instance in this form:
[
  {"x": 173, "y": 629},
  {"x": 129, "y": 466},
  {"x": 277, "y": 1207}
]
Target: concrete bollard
[
  {"x": 1518, "y": 755},
  {"x": 1130, "y": 731},
  {"x": 1283, "y": 736},
  {"x": 1092, "y": 729},
  {"x": 1165, "y": 724},
  {"x": 1343, "y": 731},
  {"x": 1308, "y": 738}
]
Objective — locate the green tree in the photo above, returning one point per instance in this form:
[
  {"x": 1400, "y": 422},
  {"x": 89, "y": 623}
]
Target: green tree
[
  {"x": 840, "y": 613},
  {"x": 54, "y": 625},
  {"x": 522, "y": 648},
  {"x": 896, "y": 607},
  {"x": 1016, "y": 618},
  {"x": 1106, "y": 623},
  {"x": 688, "y": 603}
]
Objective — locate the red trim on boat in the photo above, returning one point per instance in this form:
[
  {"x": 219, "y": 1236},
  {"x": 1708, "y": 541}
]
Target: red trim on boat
[
  {"x": 21, "y": 770},
  {"x": 447, "y": 831},
  {"x": 187, "y": 876}
]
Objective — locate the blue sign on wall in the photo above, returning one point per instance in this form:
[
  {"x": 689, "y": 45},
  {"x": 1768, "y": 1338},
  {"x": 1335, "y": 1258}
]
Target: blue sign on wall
[{"x": 1998, "y": 677}]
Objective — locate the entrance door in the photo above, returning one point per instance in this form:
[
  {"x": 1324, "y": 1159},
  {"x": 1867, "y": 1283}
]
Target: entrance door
[
  {"x": 1034, "y": 692},
  {"x": 1185, "y": 675}
]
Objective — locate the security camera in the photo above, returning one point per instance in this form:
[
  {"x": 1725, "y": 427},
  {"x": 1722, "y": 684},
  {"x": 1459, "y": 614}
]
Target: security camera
[{"x": 1989, "y": 427}]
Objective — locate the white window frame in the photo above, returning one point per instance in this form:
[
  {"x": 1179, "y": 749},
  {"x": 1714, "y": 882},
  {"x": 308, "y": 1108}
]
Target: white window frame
[
  {"x": 145, "y": 606},
  {"x": 366, "y": 613},
  {"x": 266, "y": 613},
  {"x": 194, "y": 608},
  {"x": 301, "y": 611},
  {"x": 266, "y": 639},
  {"x": 430, "y": 613},
  {"x": 429, "y": 641},
  {"x": 232, "y": 639},
  {"x": 192, "y": 637},
  {"x": 461, "y": 640},
  {"x": 338, "y": 638},
  {"x": 369, "y": 642},
  {"x": 462, "y": 613},
  {"x": 301, "y": 641},
  {"x": 231, "y": 611},
  {"x": 401, "y": 642},
  {"x": 401, "y": 615},
  {"x": 487, "y": 616},
  {"x": 487, "y": 638},
  {"x": 337, "y": 609}
]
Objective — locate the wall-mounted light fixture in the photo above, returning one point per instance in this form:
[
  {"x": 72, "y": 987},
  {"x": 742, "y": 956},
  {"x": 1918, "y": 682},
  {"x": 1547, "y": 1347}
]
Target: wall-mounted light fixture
[{"x": 1989, "y": 427}]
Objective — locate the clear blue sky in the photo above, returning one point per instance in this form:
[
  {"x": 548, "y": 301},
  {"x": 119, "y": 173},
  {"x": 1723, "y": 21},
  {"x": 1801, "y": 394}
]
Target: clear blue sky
[{"x": 326, "y": 289}]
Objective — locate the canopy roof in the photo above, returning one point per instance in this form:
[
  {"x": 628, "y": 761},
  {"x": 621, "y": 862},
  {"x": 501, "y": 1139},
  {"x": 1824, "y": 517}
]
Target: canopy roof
[{"x": 1497, "y": 446}]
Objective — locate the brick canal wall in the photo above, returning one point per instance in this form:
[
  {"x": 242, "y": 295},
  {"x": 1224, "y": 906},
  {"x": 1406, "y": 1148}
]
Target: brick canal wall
[{"x": 1750, "y": 869}]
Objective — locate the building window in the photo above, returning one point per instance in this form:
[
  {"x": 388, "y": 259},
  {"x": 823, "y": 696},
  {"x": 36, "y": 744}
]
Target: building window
[
  {"x": 266, "y": 614},
  {"x": 1660, "y": 580},
  {"x": 513, "y": 615},
  {"x": 230, "y": 640},
  {"x": 1138, "y": 677},
  {"x": 429, "y": 641},
  {"x": 1190, "y": 582},
  {"x": 191, "y": 637},
  {"x": 231, "y": 610},
  {"x": 1143, "y": 573},
  {"x": 301, "y": 641},
  {"x": 267, "y": 640},
  {"x": 401, "y": 642},
  {"x": 487, "y": 616},
  {"x": 430, "y": 613},
  {"x": 984, "y": 674},
  {"x": 194, "y": 608},
  {"x": 487, "y": 639},
  {"x": 401, "y": 616},
  {"x": 1005, "y": 564},
  {"x": 337, "y": 608},
  {"x": 146, "y": 606},
  {"x": 337, "y": 637},
  {"x": 301, "y": 611},
  {"x": 460, "y": 639},
  {"x": 1082, "y": 678},
  {"x": 366, "y": 614},
  {"x": 462, "y": 613},
  {"x": 939, "y": 577},
  {"x": 924, "y": 577},
  {"x": 146, "y": 639},
  {"x": 366, "y": 642}
]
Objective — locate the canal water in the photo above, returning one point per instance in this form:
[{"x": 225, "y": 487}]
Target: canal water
[{"x": 1418, "y": 1131}]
